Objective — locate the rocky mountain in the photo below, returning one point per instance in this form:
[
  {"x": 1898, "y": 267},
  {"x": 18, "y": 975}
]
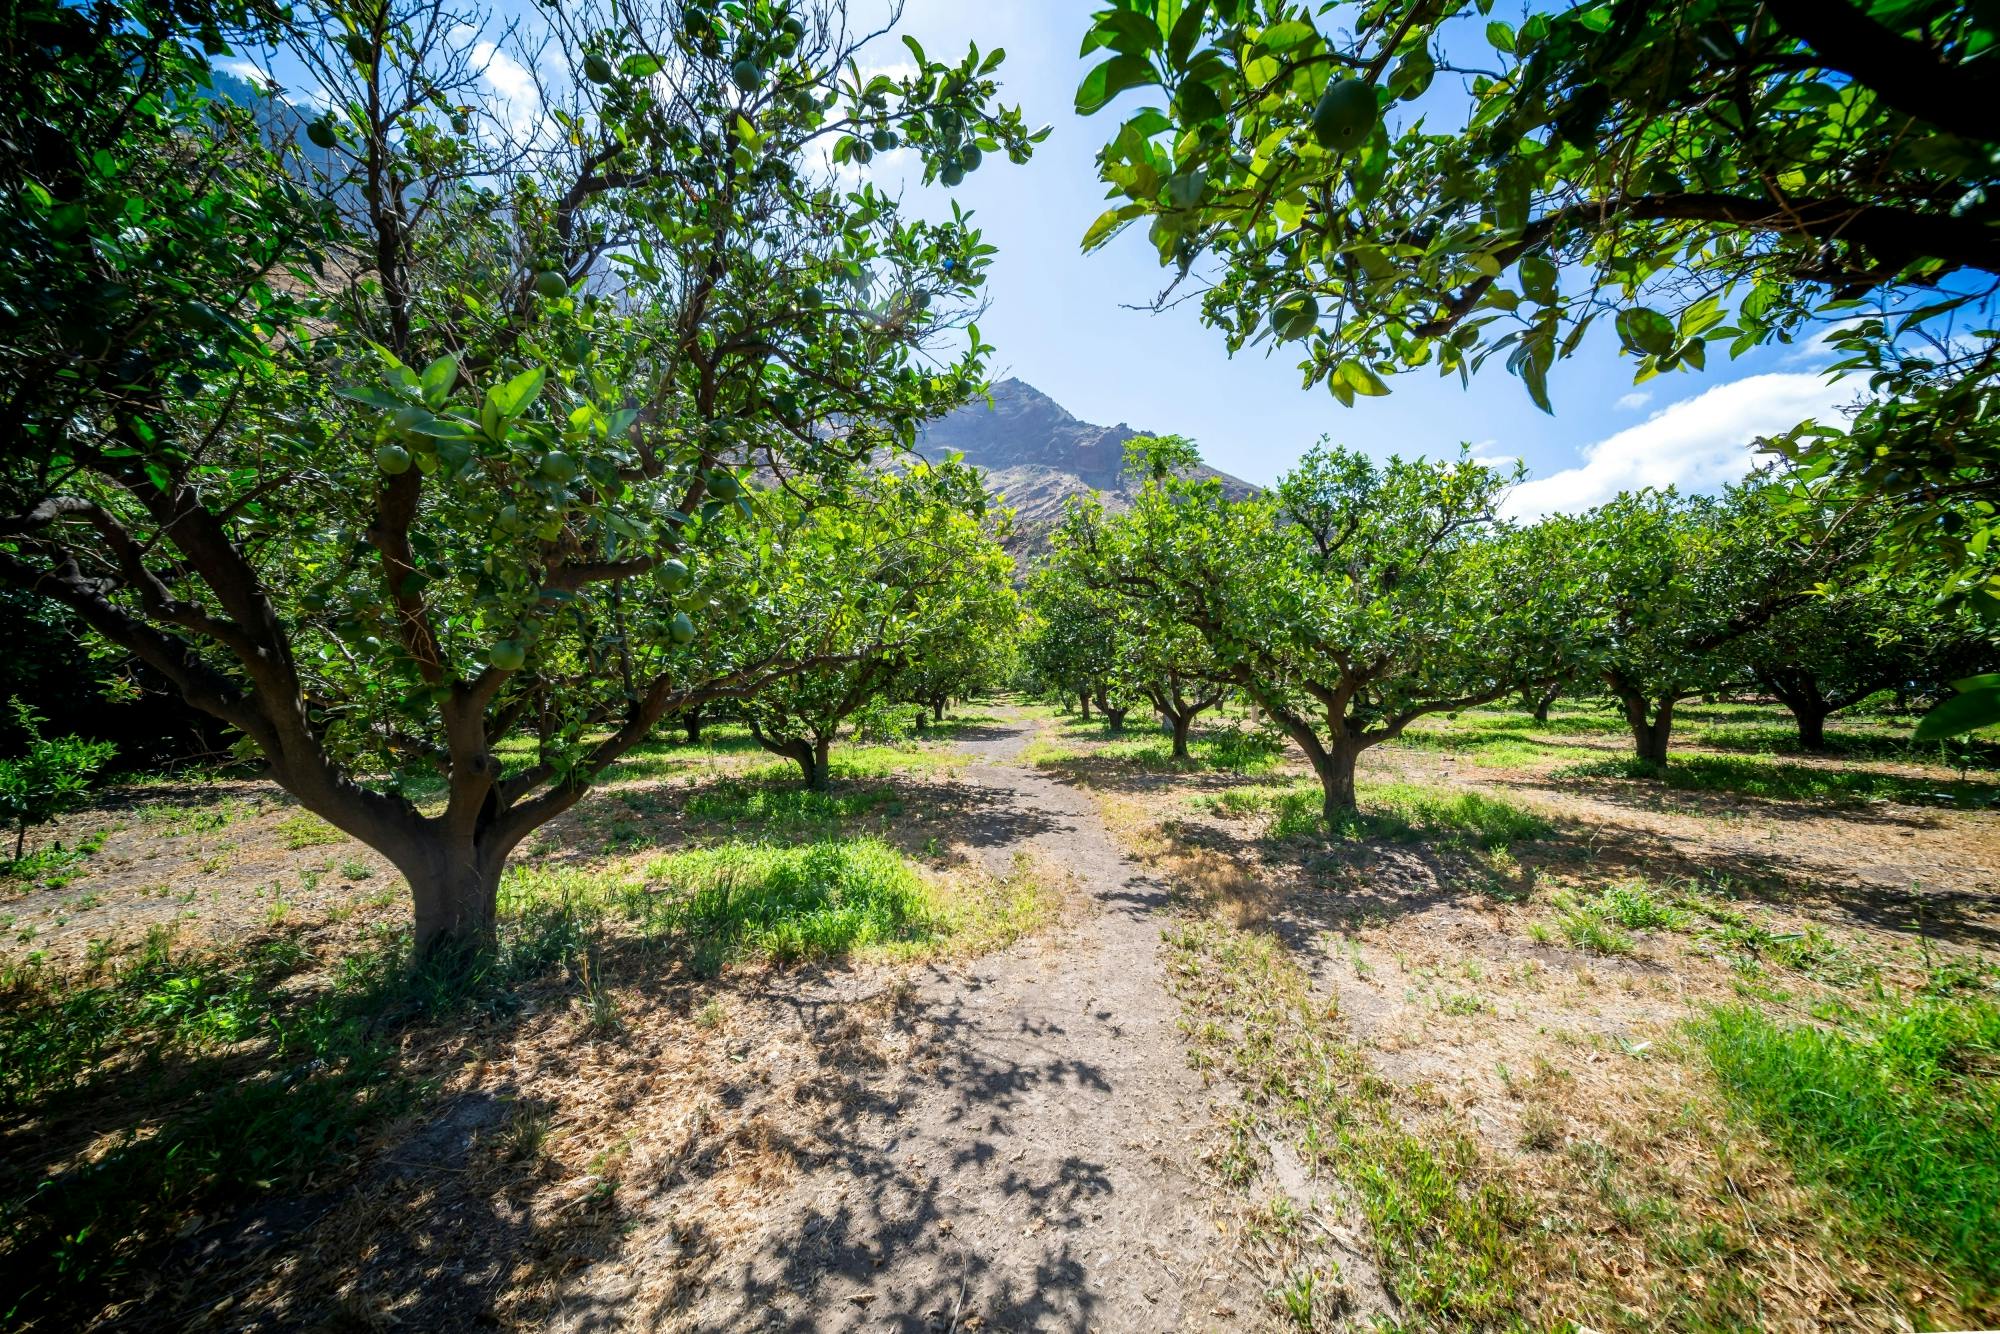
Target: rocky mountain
[{"x": 1036, "y": 456}]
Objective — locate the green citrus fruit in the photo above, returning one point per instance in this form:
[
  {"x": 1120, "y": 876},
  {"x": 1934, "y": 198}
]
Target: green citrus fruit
[{"x": 1345, "y": 115}]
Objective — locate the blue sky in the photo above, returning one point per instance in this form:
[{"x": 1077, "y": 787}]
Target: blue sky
[{"x": 1060, "y": 321}]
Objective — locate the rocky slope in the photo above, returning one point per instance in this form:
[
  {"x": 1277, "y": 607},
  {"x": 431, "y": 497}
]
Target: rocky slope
[{"x": 1036, "y": 455}]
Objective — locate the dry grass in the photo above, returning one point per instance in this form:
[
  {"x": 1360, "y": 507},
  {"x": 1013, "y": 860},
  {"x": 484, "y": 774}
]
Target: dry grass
[{"x": 1485, "y": 1056}]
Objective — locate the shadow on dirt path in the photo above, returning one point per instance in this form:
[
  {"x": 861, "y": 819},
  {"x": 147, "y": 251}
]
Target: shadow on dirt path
[{"x": 1039, "y": 1168}]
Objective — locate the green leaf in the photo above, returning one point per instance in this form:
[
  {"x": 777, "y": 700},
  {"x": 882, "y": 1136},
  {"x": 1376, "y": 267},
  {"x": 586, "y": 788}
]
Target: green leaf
[
  {"x": 369, "y": 395},
  {"x": 1961, "y": 714},
  {"x": 1108, "y": 223},
  {"x": 1500, "y": 36},
  {"x": 513, "y": 397},
  {"x": 1646, "y": 331},
  {"x": 1111, "y": 78},
  {"x": 1362, "y": 379},
  {"x": 437, "y": 379},
  {"x": 1122, "y": 31}
]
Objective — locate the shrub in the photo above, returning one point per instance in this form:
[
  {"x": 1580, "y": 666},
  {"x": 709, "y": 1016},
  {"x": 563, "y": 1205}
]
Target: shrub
[{"x": 51, "y": 778}]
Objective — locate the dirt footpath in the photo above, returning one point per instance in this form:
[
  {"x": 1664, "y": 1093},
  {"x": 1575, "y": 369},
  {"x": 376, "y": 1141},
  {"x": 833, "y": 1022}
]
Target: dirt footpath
[{"x": 1036, "y": 1165}]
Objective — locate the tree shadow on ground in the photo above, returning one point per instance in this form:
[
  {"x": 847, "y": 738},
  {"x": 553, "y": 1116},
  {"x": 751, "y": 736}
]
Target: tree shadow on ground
[{"x": 433, "y": 1227}]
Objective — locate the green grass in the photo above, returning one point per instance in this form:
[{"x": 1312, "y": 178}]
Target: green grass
[
  {"x": 52, "y": 865},
  {"x": 1144, "y": 748},
  {"x": 306, "y": 830},
  {"x": 810, "y": 901},
  {"x": 1444, "y": 1228},
  {"x": 1397, "y": 811},
  {"x": 1493, "y": 745},
  {"x": 1779, "y": 781},
  {"x": 781, "y": 805},
  {"x": 175, "y": 820},
  {"x": 1602, "y": 924},
  {"x": 1897, "y": 1113}
]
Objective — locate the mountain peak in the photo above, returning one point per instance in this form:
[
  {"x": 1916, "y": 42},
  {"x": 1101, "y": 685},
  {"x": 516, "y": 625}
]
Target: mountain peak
[{"x": 1037, "y": 454}]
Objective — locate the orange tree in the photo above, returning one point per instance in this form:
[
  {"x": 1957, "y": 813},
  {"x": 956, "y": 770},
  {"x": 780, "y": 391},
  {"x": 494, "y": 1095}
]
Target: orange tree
[
  {"x": 1350, "y": 600},
  {"x": 390, "y": 448},
  {"x": 900, "y": 576},
  {"x": 1695, "y": 174}
]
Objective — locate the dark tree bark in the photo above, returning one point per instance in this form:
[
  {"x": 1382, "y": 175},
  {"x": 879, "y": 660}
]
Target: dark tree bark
[
  {"x": 1114, "y": 714},
  {"x": 1812, "y": 728},
  {"x": 1544, "y": 701},
  {"x": 1180, "y": 711},
  {"x": 1801, "y": 691},
  {"x": 691, "y": 722},
  {"x": 1650, "y": 720},
  {"x": 1083, "y": 697},
  {"x": 809, "y": 753},
  {"x": 937, "y": 708},
  {"x": 1334, "y": 766}
]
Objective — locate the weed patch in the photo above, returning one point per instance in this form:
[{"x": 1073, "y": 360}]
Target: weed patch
[
  {"x": 1779, "y": 781},
  {"x": 811, "y": 901},
  {"x": 1897, "y": 1111},
  {"x": 1394, "y": 811}
]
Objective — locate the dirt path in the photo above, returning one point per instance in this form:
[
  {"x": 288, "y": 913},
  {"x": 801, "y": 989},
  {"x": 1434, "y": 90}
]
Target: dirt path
[{"x": 1040, "y": 1168}]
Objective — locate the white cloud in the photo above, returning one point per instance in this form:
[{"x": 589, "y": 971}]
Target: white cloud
[
  {"x": 1698, "y": 444},
  {"x": 513, "y": 87},
  {"x": 1633, "y": 401},
  {"x": 244, "y": 69}
]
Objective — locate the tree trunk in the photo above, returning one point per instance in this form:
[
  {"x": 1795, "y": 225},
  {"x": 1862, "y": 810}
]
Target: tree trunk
[
  {"x": 1084, "y": 696},
  {"x": 818, "y": 772},
  {"x": 1812, "y": 725},
  {"x": 1182, "y": 722},
  {"x": 1115, "y": 717},
  {"x": 1649, "y": 735},
  {"x": 937, "y": 709},
  {"x": 1543, "y": 702},
  {"x": 1335, "y": 767},
  {"x": 692, "y": 722},
  {"x": 455, "y": 890},
  {"x": 20, "y": 839}
]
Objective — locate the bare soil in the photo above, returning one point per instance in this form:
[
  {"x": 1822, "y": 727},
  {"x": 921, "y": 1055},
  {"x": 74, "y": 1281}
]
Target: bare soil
[{"x": 1042, "y": 1137}]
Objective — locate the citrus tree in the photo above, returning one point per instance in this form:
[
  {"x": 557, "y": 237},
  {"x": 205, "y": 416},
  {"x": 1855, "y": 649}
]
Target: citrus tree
[
  {"x": 899, "y": 567},
  {"x": 1160, "y": 658},
  {"x": 1861, "y": 635},
  {"x": 1076, "y": 642},
  {"x": 1670, "y": 586},
  {"x": 1352, "y": 599},
  {"x": 1386, "y": 185},
  {"x": 1708, "y": 171},
  {"x": 429, "y": 452}
]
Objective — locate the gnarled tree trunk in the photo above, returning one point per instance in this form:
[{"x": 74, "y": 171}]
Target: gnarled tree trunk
[
  {"x": 1334, "y": 766},
  {"x": 1652, "y": 724}
]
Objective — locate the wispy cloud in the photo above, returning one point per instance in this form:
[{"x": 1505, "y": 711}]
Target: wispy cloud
[
  {"x": 1698, "y": 444},
  {"x": 1633, "y": 401},
  {"x": 518, "y": 100}
]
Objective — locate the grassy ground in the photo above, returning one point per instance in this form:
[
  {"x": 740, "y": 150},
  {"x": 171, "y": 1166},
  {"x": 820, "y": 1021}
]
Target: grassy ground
[
  {"x": 207, "y": 999},
  {"x": 1541, "y": 1038},
  {"x": 1537, "y": 1039}
]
